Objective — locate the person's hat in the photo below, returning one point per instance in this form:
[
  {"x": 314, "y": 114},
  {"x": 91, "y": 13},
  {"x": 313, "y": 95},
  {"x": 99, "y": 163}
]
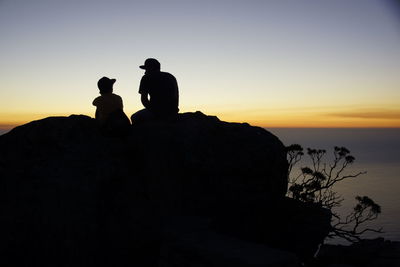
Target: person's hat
[
  {"x": 105, "y": 82},
  {"x": 151, "y": 63}
]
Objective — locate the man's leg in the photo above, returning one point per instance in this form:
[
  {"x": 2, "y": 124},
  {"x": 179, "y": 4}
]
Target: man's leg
[{"x": 141, "y": 116}]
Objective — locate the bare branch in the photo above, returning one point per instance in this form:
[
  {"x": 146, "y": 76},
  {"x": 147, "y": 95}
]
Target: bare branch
[{"x": 316, "y": 185}]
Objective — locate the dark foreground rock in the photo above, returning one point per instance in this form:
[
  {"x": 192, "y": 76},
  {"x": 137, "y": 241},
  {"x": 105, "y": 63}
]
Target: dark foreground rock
[
  {"x": 369, "y": 253},
  {"x": 71, "y": 196},
  {"x": 190, "y": 241}
]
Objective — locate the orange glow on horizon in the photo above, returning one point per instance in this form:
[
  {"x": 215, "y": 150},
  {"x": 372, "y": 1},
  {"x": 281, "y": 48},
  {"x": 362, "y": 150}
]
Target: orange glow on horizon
[
  {"x": 277, "y": 120},
  {"x": 319, "y": 123},
  {"x": 313, "y": 119}
]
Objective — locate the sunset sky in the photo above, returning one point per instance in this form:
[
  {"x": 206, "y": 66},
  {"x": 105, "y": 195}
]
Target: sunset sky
[{"x": 272, "y": 63}]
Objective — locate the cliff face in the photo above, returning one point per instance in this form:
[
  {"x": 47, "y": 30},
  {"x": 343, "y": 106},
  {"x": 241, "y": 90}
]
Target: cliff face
[
  {"x": 204, "y": 163},
  {"x": 71, "y": 195}
]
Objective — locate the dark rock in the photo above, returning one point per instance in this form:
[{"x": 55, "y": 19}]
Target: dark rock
[
  {"x": 73, "y": 196},
  {"x": 188, "y": 241},
  {"x": 288, "y": 224},
  {"x": 368, "y": 252},
  {"x": 67, "y": 198},
  {"x": 206, "y": 166}
]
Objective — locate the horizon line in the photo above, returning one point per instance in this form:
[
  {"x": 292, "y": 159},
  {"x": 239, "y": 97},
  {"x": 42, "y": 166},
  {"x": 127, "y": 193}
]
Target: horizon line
[{"x": 8, "y": 127}]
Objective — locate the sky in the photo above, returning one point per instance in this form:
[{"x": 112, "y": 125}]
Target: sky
[{"x": 271, "y": 63}]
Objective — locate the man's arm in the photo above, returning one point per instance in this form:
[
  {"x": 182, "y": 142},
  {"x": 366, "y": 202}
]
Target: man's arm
[
  {"x": 145, "y": 100},
  {"x": 143, "y": 93}
]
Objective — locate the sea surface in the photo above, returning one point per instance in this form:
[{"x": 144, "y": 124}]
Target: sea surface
[{"x": 377, "y": 151}]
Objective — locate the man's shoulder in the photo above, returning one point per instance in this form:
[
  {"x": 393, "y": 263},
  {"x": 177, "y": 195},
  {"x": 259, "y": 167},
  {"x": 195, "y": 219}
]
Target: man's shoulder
[
  {"x": 167, "y": 74},
  {"x": 160, "y": 76},
  {"x": 168, "y": 77},
  {"x": 156, "y": 74}
]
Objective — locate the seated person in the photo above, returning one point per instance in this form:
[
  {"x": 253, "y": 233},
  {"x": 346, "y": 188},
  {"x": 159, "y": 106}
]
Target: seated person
[
  {"x": 109, "y": 108},
  {"x": 159, "y": 94}
]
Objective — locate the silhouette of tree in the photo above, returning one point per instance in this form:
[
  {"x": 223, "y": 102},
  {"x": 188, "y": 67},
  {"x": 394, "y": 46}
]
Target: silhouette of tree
[{"x": 315, "y": 184}]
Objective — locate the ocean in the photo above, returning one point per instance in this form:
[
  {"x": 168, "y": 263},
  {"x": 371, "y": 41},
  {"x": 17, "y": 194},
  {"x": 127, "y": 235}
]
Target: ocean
[{"x": 377, "y": 151}]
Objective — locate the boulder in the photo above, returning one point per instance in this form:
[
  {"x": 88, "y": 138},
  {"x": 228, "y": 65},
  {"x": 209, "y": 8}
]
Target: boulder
[
  {"x": 204, "y": 166},
  {"x": 190, "y": 241},
  {"x": 73, "y": 196},
  {"x": 367, "y": 252}
]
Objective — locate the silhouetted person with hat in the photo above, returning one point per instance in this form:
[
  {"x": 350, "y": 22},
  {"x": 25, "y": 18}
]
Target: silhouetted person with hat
[
  {"x": 159, "y": 94},
  {"x": 109, "y": 109}
]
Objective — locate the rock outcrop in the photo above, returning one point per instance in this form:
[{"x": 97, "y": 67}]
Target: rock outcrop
[
  {"x": 366, "y": 253},
  {"x": 73, "y": 196}
]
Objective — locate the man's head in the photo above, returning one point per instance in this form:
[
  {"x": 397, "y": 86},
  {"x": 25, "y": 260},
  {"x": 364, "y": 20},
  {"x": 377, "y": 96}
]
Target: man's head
[
  {"x": 105, "y": 85},
  {"x": 151, "y": 64}
]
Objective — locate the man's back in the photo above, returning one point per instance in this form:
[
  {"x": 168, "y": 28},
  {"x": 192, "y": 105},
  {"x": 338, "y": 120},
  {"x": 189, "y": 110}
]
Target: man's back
[{"x": 163, "y": 90}]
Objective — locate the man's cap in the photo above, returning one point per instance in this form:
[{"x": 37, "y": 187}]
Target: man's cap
[
  {"x": 151, "y": 63},
  {"x": 105, "y": 81}
]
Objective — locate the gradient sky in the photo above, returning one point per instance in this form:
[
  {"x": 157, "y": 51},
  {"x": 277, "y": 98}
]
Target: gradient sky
[{"x": 272, "y": 63}]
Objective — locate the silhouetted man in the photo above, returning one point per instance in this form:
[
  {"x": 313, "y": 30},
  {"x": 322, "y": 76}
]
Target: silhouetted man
[{"x": 159, "y": 93}]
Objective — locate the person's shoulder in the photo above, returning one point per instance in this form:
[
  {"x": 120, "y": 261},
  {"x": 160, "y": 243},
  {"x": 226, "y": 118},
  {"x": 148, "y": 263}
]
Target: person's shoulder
[
  {"x": 97, "y": 100},
  {"x": 167, "y": 75},
  {"x": 115, "y": 95},
  {"x": 145, "y": 78}
]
